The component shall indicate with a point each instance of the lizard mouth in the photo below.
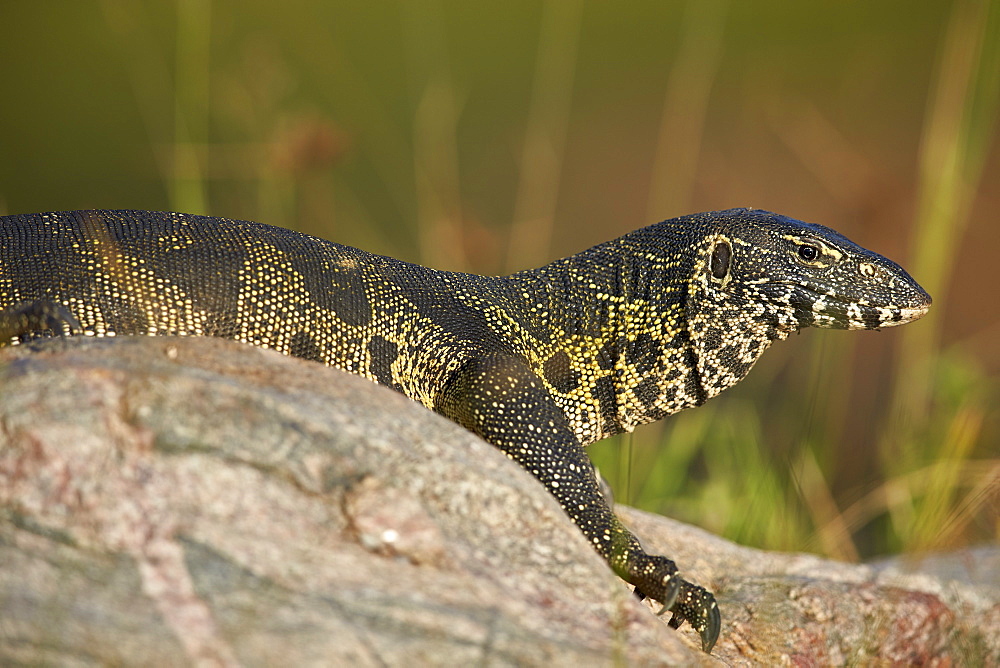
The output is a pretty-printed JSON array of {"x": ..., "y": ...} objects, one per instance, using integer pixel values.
[
  {"x": 869, "y": 316},
  {"x": 911, "y": 313},
  {"x": 815, "y": 306}
]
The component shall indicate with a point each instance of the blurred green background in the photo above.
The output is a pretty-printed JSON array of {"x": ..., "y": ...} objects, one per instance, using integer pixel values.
[{"x": 491, "y": 137}]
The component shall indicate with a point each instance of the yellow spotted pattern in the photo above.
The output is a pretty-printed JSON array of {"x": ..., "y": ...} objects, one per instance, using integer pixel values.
[{"x": 539, "y": 363}]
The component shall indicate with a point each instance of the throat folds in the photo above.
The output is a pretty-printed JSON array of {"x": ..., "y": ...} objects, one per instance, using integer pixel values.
[
  {"x": 728, "y": 336},
  {"x": 623, "y": 354}
]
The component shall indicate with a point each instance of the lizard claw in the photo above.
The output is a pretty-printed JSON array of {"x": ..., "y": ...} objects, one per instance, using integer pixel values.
[
  {"x": 710, "y": 633},
  {"x": 670, "y": 592},
  {"x": 697, "y": 606},
  {"x": 688, "y": 603}
]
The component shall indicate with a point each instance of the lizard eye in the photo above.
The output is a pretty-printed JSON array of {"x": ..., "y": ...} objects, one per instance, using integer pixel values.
[{"x": 808, "y": 252}]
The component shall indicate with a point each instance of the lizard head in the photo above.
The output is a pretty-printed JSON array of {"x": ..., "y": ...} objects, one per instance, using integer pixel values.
[
  {"x": 796, "y": 274},
  {"x": 754, "y": 278}
]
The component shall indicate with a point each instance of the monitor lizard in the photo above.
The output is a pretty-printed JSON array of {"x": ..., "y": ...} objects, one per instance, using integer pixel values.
[{"x": 540, "y": 363}]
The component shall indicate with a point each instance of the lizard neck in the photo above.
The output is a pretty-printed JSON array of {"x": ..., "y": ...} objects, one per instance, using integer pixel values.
[
  {"x": 635, "y": 331},
  {"x": 694, "y": 338}
]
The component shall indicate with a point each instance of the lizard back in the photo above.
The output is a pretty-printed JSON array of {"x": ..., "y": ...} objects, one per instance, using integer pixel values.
[{"x": 137, "y": 272}]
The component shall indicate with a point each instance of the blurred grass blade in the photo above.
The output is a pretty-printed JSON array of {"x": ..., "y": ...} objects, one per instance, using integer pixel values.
[
  {"x": 982, "y": 477},
  {"x": 832, "y": 532},
  {"x": 959, "y": 128},
  {"x": 938, "y": 504},
  {"x": 435, "y": 140},
  {"x": 545, "y": 136},
  {"x": 689, "y": 86},
  {"x": 191, "y": 87}
]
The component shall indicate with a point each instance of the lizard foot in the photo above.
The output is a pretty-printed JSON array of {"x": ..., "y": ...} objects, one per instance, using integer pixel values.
[
  {"x": 671, "y": 589},
  {"x": 654, "y": 577},
  {"x": 35, "y": 317},
  {"x": 696, "y": 606}
]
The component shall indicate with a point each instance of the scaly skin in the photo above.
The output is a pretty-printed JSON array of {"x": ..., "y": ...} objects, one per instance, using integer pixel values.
[{"x": 540, "y": 363}]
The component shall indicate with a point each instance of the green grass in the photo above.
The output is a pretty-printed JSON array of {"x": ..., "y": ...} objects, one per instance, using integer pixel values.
[
  {"x": 935, "y": 485},
  {"x": 489, "y": 138},
  {"x": 939, "y": 470}
]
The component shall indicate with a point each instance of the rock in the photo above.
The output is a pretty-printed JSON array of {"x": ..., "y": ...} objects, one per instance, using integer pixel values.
[
  {"x": 169, "y": 501},
  {"x": 802, "y": 610},
  {"x": 175, "y": 501}
]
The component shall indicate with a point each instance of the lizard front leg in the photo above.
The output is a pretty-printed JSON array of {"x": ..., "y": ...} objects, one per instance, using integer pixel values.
[{"x": 502, "y": 400}]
